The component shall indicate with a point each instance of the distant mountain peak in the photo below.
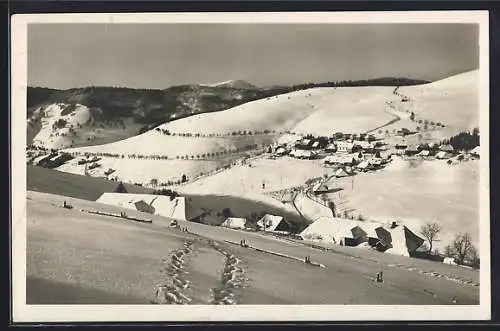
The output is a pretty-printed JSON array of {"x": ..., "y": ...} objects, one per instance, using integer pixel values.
[{"x": 238, "y": 84}]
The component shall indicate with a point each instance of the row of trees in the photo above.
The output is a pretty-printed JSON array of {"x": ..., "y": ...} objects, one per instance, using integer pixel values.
[
  {"x": 200, "y": 156},
  {"x": 211, "y": 135},
  {"x": 384, "y": 81}
]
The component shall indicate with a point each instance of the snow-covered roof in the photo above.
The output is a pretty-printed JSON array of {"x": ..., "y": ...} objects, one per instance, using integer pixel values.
[
  {"x": 345, "y": 144},
  {"x": 424, "y": 153},
  {"x": 447, "y": 148},
  {"x": 305, "y": 141},
  {"x": 475, "y": 150},
  {"x": 301, "y": 152},
  {"x": 234, "y": 223},
  {"x": 335, "y": 229},
  {"x": 363, "y": 144},
  {"x": 442, "y": 155},
  {"x": 363, "y": 165},
  {"x": 345, "y": 159},
  {"x": 269, "y": 222}
]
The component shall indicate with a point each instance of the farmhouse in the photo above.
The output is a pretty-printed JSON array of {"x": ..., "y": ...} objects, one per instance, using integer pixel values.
[
  {"x": 280, "y": 151},
  {"x": 161, "y": 204},
  {"x": 412, "y": 150},
  {"x": 234, "y": 223},
  {"x": 365, "y": 166},
  {"x": 424, "y": 152},
  {"x": 273, "y": 223},
  {"x": 442, "y": 155},
  {"x": 475, "y": 152},
  {"x": 340, "y": 159},
  {"x": 301, "y": 154},
  {"x": 365, "y": 145},
  {"x": 345, "y": 146},
  {"x": 446, "y": 148},
  {"x": 331, "y": 148},
  {"x": 395, "y": 238}
]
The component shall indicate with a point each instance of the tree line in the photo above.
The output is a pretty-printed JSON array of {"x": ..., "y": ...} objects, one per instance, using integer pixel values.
[
  {"x": 200, "y": 156},
  {"x": 465, "y": 140}
]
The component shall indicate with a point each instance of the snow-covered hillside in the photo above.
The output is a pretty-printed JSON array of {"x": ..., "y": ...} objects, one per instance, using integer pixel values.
[
  {"x": 453, "y": 100},
  {"x": 417, "y": 193},
  {"x": 63, "y": 125},
  {"x": 58, "y": 125},
  {"x": 317, "y": 111},
  {"x": 249, "y": 178}
]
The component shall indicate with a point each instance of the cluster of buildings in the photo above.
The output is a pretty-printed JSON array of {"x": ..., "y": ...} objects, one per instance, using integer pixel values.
[
  {"x": 432, "y": 150},
  {"x": 363, "y": 153},
  {"x": 318, "y": 147}
]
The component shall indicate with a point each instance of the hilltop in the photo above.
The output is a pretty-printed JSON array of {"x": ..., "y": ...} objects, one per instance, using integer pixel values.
[{"x": 237, "y": 84}]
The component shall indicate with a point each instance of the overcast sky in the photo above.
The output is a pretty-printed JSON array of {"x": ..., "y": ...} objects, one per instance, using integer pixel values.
[{"x": 162, "y": 55}]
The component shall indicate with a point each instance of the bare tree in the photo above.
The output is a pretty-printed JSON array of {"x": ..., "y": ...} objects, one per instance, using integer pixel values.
[
  {"x": 461, "y": 248},
  {"x": 430, "y": 231}
]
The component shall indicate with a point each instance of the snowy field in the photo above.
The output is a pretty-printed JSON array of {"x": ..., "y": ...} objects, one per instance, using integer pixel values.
[
  {"x": 82, "y": 266},
  {"x": 348, "y": 109},
  {"x": 155, "y": 143},
  {"x": 453, "y": 100},
  {"x": 275, "y": 174},
  {"x": 418, "y": 192},
  {"x": 144, "y": 171}
]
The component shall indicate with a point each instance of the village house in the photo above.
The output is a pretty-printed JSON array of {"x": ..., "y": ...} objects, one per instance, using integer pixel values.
[
  {"x": 280, "y": 151},
  {"x": 345, "y": 147},
  {"x": 365, "y": 145},
  {"x": 424, "y": 153},
  {"x": 446, "y": 148},
  {"x": 442, "y": 155},
  {"x": 302, "y": 154},
  {"x": 411, "y": 150},
  {"x": 336, "y": 159},
  {"x": 331, "y": 148},
  {"x": 475, "y": 152}
]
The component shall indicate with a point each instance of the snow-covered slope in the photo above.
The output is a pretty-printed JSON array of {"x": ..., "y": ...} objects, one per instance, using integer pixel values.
[
  {"x": 58, "y": 125},
  {"x": 317, "y": 110},
  {"x": 454, "y": 100},
  {"x": 62, "y": 125},
  {"x": 416, "y": 193}
]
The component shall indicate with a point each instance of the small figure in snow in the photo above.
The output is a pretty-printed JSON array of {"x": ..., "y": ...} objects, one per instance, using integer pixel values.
[{"x": 380, "y": 277}]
